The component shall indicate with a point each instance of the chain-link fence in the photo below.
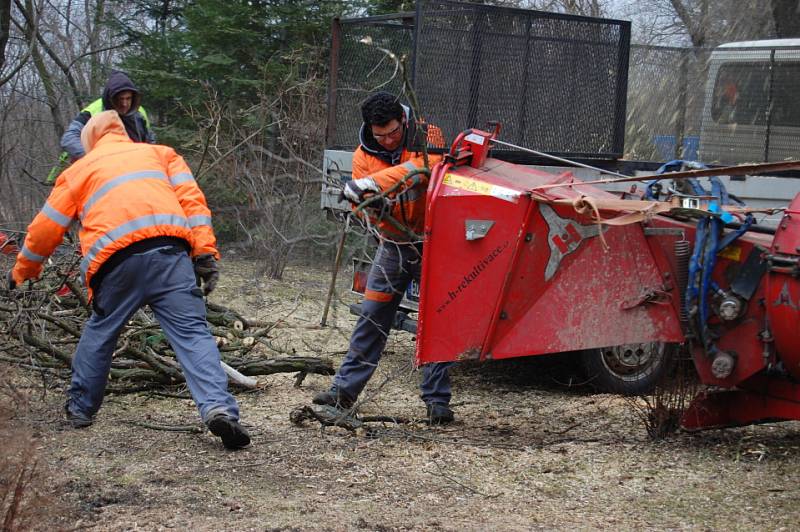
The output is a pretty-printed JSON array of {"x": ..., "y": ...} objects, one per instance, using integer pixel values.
[
  {"x": 561, "y": 84},
  {"x": 733, "y": 104},
  {"x": 665, "y": 103},
  {"x": 751, "y": 111}
]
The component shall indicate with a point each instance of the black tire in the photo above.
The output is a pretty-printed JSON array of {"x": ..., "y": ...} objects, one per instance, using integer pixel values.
[{"x": 631, "y": 369}]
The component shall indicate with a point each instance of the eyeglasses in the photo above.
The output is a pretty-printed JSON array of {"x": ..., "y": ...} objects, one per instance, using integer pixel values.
[{"x": 392, "y": 133}]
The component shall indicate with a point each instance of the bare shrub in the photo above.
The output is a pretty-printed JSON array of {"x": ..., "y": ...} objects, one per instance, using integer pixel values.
[
  {"x": 662, "y": 410},
  {"x": 260, "y": 167}
]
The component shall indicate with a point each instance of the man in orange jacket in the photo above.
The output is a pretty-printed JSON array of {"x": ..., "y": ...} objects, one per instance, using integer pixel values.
[
  {"x": 380, "y": 163},
  {"x": 142, "y": 216}
]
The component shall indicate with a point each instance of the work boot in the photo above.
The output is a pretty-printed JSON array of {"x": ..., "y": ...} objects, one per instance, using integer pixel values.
[
  {"x": 78, "y": 420},
  {"x": 439, "y": 414},
  {"x": 234, "y": 436},
  {"x": 334, "y": 398}
]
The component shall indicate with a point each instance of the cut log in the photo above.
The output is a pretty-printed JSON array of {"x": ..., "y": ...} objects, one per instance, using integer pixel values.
[
  {"x": 320, "y": 366},
  {"x": 238, "y": 378}
]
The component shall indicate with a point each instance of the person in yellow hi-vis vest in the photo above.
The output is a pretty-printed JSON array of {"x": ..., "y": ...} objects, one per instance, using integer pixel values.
[{"x": 121, "y": 95}]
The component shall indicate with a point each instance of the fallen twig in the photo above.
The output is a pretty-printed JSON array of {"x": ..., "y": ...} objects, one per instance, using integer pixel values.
[
  {"x": 330, "y": 416},
  {"x": 194, "y": 429}
]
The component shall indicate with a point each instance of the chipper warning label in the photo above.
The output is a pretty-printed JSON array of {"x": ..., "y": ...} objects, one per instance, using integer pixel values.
[{"x": 481, "y": 187}]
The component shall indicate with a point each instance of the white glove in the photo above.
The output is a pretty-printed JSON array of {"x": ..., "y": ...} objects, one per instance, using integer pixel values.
[{"x": 355, "y": 189}]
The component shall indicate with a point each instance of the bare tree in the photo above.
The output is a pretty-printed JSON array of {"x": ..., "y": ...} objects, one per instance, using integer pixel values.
[
  {"x": 53, "y": 56},
  {"x": 786, "y": 14},
  {"x": 95, "y": 77},
  {"x": 590, "y": 8},
  {"x": 5, "y": 26},
  {"x": 698, "y": 23}
]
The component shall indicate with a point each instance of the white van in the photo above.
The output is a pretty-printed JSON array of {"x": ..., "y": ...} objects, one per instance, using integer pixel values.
[
  {"x": 752, "y": 104},
  {"x": 752, "y": 114}
]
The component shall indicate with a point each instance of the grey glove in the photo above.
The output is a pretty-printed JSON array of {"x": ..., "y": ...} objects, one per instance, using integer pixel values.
[
  {"x": 355, "y": 189},
  {"x": 12, "y": 284},
  {"x": 206, "y": 270}
]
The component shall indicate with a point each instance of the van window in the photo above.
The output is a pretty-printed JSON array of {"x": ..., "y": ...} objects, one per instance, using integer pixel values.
[{"x": 741, "y": 94}]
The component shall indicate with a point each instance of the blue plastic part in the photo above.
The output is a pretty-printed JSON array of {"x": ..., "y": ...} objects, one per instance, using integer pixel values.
[
  {"x": 730, "y": 237},
  {"x": 691, "y": 145},
  {"x": 665, "y": 146},
  {"x": 674, "y": 166}
]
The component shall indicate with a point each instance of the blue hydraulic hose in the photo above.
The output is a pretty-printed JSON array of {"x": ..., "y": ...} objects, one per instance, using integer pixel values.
[
  {"x": 692, "y": 287},
  {"x": 708, "y": 243},
  {"x": 719, "y": 190},
  {"x": 730, "y": 237},
  {"x": 709, "y": 260},
  {"x": 697, "y": 188}
]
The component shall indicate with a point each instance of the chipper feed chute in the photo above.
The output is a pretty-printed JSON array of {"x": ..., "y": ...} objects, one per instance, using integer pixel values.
[{"x": 507, "y": 275}]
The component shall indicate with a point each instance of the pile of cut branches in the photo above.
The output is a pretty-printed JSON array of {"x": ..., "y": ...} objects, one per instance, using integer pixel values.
[{"x": 41, "y": 322}]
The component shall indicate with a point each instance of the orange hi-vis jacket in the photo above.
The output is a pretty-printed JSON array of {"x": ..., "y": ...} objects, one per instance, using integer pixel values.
[
  {"x": 121, "y": 192},
  {"x": 410, "y": 212}
]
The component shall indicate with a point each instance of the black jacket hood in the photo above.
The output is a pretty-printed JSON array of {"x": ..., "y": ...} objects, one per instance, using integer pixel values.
[
  {"x": 371, "y": 146},
  {"x": 117, "y": 82}
]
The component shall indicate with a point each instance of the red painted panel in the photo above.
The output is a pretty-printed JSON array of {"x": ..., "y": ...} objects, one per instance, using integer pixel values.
[{"x": 541, "y": 276}]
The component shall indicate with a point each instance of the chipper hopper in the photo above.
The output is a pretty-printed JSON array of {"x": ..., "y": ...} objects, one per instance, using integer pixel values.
[{"x": 521, "y": 262}]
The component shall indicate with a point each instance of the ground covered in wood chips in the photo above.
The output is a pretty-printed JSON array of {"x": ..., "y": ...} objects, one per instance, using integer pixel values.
[{"x": 524, "y": 453}]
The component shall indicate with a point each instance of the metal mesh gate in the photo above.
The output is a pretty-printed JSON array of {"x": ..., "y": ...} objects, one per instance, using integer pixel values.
[
  {"x": 556, "y": 83},
  {"x": 561, "y": 84},
  {"x": 359, "y": 67}
]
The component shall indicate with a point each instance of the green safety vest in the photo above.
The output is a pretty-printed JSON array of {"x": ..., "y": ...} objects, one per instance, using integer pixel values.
[{"x": 93, "y": 108}]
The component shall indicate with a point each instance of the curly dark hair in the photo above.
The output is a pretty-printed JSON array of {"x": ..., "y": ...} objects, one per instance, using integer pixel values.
[{"x": 381, "y": 108}]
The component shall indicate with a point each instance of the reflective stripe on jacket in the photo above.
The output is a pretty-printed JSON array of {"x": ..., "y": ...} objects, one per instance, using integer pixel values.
[
  {"x": 122, "y": 192},
  {"x": 410, "y": 212}
]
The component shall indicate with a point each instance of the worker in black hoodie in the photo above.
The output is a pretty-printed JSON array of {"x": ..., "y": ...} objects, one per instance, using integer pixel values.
[{"x": 121, "y": 95}]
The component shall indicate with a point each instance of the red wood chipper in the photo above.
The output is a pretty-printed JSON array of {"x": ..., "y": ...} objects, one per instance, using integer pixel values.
[{"x": 521, "y": 262}]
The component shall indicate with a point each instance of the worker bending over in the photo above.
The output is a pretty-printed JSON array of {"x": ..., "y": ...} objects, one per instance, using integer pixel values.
[{"x": 142, "y": 217}]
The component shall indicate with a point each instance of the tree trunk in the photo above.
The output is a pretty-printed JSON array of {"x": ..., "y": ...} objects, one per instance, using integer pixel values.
[
  {"x": 96, "y": 80},
  {"x": 786, "y": 14},
  {"x": 5, "y": 28},
  {"x": 695, "y": 26},
  {"x": 31, "y": 35}
]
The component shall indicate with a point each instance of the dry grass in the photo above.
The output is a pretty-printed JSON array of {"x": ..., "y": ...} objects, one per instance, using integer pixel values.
[
  {"x": 523, "y": 454},
  {"x": 24, "y": 503}
]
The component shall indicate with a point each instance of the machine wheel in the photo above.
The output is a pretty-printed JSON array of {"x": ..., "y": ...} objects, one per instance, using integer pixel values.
[{"x": 630, "y": 369}]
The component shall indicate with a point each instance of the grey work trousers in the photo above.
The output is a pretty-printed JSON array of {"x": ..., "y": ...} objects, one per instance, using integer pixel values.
[
  {"x": 394, "y": 267},
  {"x": 162, "y": 278}
]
